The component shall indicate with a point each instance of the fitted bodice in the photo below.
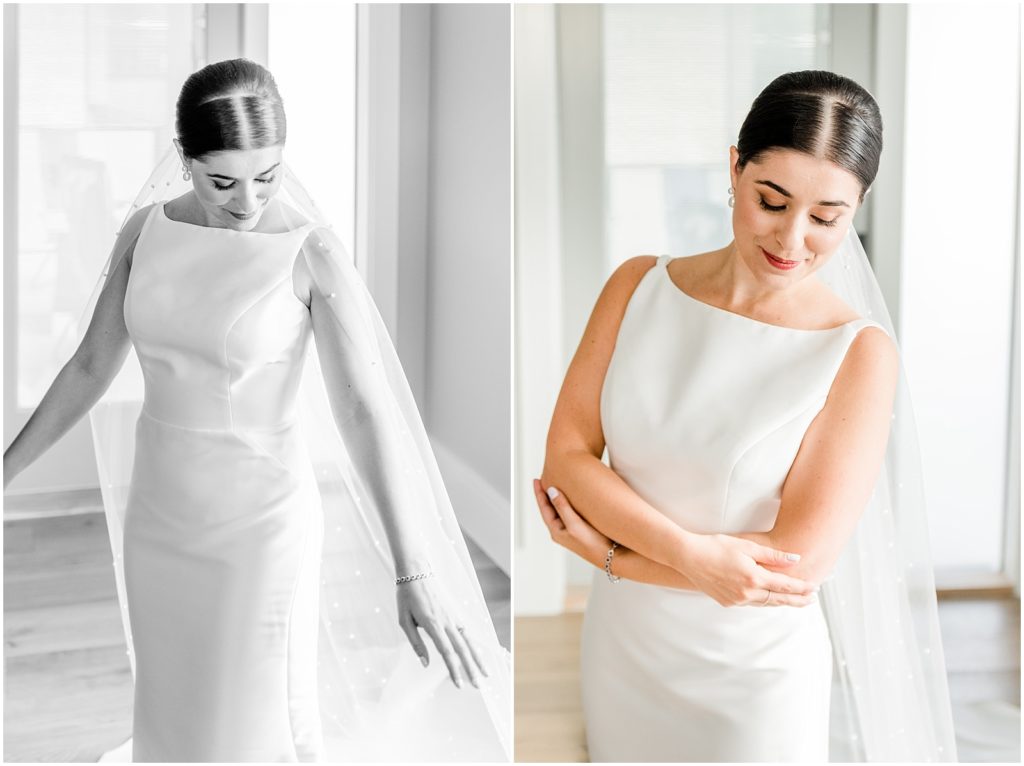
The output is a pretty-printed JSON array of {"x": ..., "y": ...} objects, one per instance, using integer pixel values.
[
  {"x": 219, "y": 333},
  {"x": 704, "y": 410}
]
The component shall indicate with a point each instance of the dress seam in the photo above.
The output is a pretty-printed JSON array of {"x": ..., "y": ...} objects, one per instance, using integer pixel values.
[
  {"x": 128, "y": 304},
  {"x": 607, "y": 380},
  {"x": 817, "y": 405},
  {"x": 227, "y": 339},
  {"x": 740, "y": 455},
  {"x": 276, "y": 428}
]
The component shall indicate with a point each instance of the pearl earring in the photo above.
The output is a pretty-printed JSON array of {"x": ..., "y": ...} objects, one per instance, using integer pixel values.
[
  {"x": 732, "y": 199},
  {"x": 186, "y": 174}
]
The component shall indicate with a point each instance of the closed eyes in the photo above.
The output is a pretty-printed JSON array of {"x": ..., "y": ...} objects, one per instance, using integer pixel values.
[
  {"x": 228, "y": 186},
  {"x": 779, "y": 208}
]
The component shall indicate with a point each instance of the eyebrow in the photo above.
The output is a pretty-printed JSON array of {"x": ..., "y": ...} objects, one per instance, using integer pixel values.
[
  {"x": 229, "y": 178},
  {"x": 784, "y": 193}
]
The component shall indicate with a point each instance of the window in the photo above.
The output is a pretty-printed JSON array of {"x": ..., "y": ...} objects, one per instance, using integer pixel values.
[
  {"x": 95, "y": 110},
  {"x": 678, "y": 81},
  {"x": 312, "y": 53}
]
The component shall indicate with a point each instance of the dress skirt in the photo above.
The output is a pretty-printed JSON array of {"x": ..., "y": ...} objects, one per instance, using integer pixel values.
[
  {"x": 222, "y": 544},
  {"x": 673, "y": 676}
]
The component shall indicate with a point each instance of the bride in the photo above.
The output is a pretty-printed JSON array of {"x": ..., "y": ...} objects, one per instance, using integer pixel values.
[
  {"x": 753, "y": 409},
  {"x": 280, "y": 528}
]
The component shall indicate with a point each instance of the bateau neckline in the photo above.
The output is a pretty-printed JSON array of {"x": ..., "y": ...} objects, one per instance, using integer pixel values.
[
  {"x": 719, "y": 309},
  {"x": 166, "y": 217}
]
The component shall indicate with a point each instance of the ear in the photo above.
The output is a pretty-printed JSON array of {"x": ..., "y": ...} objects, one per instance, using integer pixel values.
[
  {"x": 181, "y": 152},
  {"x": 734, "y": 156}
]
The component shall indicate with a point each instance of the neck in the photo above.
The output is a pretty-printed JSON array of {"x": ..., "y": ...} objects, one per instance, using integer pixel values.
[{"x": 739, "y": 288}]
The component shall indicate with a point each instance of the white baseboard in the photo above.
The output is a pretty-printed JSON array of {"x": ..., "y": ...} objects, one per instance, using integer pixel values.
[
  {"x": 28, "y": 505},
  {"x": 483, "y": 512}
]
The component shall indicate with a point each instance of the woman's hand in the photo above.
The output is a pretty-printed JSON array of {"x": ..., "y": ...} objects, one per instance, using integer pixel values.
[
  {"x": 420, "y": 605},
  {"x": 569, "y": 529},
  {"x": 724, "y": 567},
  {"x": 729, "y": 570}
]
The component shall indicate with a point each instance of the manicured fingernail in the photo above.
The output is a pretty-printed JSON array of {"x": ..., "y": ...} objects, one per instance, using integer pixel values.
[
  {"x": 458, "y": 682},
  {"x": 793, "y": 556},
  {"x": 423, "y": 660},
  {"x": 552, "y": 493}
]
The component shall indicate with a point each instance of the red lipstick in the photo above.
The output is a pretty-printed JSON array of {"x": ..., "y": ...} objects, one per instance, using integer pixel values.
[{"x": 779, "y": 263}]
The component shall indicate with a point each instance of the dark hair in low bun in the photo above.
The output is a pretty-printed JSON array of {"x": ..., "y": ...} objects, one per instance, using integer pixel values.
[
  {"x": 228, "y": 105},
  {"x": 819, "y": 113}
]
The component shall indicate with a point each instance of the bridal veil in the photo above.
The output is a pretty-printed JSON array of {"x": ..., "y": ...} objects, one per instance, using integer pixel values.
[
  {"x": 377, "y": 702},
  {"x": 891, "y": 702}
]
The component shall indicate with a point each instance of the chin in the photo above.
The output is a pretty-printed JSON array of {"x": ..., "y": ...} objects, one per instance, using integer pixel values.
[{"x": 244, "y": 225}]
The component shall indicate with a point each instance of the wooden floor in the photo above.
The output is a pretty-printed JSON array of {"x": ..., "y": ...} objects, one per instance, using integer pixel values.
[
  {"x": 981, "y": 639},
  {"x": 68, "y": 691}
]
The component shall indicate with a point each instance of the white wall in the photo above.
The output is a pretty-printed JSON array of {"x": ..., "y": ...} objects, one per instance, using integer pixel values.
[
  {"x": 468, "y": 342},
  {"x": 960, "y": 217},
  {"x": 539, "y": 366}
]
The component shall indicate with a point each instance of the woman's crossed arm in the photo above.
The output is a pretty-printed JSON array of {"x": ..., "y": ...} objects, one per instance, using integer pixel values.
[{"x": 725, "y": 567}]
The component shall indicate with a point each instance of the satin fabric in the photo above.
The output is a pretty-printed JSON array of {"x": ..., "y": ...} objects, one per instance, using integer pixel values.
[
  {"x": 223, "y": 528},
  {"x": 376, "y": 701},
  {"x": 703, "y": 412}
]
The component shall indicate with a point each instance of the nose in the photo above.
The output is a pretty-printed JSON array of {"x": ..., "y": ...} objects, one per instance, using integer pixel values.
[
  {"x": 789, "y": 234},
  {"x": 247, "y": 199}
]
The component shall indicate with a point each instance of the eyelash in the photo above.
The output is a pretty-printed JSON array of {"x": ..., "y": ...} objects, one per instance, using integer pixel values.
[
  {"x": 776, "y": 209},
  {"x": 225, "y": 188}
]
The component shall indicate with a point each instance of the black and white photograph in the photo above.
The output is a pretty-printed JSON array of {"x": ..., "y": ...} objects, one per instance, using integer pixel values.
[
  {"x": 257, "y": 382},
  {"x": 767, "y": 404}
]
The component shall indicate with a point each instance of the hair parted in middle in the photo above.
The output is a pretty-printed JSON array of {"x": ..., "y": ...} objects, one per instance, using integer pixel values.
[
  {"x": 227, "y": 105},
  {"x": 819, "y": 113}
]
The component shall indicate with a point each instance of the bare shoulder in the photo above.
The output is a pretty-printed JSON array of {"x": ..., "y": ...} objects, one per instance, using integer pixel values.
[
  {"x": 129, "y": 234},
  {"x": 623, "y": 283},
  {"x": 872, "y": 345},
  {"x": 869, "y": 370},
  {"x": 602, "y": 329},
  {"x": 312, "y": 255},
  {"x": 576, "y": 421},
  {"x": 629, "y": 273},
  {"x": 302, "y": 277}
]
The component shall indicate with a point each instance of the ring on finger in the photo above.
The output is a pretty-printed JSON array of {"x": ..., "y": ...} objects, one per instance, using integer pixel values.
[
  {"x": 765, "y": 602},
  {"x": 460, "y": 628}
]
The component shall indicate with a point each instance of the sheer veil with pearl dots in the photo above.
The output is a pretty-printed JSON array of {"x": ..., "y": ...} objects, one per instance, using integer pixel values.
[
  {"x": 890, "y": 698},
  {"x": 377, "y": 702}
]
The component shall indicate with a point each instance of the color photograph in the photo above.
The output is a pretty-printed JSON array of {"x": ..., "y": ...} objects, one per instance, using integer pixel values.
[{"x": 767, "y": 407}]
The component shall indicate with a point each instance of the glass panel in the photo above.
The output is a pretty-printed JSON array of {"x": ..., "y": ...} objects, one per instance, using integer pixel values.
[
  {"x": 321, "y": 123},
  {"x": 97, "y": 86}
]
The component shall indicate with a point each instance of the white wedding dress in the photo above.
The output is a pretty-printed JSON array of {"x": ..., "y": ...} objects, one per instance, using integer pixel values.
[
  {"x": 223, "y": 529},
  {"x": 703, "y": 412},
  {"x": 252, "y": 562}
]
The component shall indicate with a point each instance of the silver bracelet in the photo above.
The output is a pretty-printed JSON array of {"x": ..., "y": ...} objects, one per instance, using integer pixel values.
[
  {"x": 608, "y": 563},
  {"x": 410, "y": 578}
]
